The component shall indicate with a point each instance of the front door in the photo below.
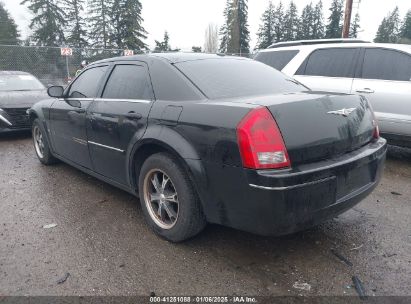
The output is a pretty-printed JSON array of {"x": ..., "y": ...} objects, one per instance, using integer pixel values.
[
  {"x": 386, "y": 82},
  {"x": 119, "y": 119},
  {"x": 68, "y": 117}
]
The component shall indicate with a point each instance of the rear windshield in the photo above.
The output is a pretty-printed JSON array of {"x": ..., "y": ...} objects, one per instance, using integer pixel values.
[
  {"x": 19, "y": 83},
  {"x": 230, "y": 77},
  {"x": 278, "y": 60}
]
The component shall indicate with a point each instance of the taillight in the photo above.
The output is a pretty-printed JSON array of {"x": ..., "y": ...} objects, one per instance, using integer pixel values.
[{"x": 260, "y": 141}]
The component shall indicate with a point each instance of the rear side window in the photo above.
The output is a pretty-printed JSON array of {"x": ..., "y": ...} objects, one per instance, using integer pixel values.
[
  {"x": 88, "y": 83},
  {"x": 336, "y": 62},
  {"x": 387, "y": 65},
  {"x": 278, "y": 60},
  {"x": 128, "y": 82},
  {"x": 229, "y": 77}
]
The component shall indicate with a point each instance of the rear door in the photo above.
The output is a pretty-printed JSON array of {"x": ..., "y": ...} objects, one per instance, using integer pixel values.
[
  {"x": 119, "y": 118},
  {"x": 68, "y": 116},
  {"x": 330, "y": 69},
  {"x": 385, "y": 80}
]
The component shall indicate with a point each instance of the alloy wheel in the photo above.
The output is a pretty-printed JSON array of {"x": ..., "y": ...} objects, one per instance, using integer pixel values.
[
  {"x": 38, "y": 141},
  {"x": 161, "y": 199}
]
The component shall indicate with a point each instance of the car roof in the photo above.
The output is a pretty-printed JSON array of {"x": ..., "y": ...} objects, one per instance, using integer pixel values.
[
  {"x": 172, "y": 57},
  {"x": 402, "y": 47},
  {"x": 13, "y": 73}
]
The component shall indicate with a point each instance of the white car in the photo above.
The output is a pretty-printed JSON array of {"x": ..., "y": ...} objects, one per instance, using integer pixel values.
[{"x": 381, "y": 72}]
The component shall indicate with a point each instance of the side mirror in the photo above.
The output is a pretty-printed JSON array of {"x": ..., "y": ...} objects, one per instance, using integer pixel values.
[{"x": 55, "y": 91}]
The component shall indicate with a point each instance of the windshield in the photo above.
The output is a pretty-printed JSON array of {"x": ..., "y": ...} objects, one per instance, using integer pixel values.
[
  {"x": 229, "y": 78},
  {"x": 20, "y": 83}
]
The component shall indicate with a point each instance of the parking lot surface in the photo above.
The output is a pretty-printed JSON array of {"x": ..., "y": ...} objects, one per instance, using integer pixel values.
[{"x": 102, "y": 246}]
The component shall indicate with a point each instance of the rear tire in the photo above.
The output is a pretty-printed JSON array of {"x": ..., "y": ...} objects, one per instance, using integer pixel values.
[
  {"x": 41, "y": 144},
  {"x": 169, "y": 201}
]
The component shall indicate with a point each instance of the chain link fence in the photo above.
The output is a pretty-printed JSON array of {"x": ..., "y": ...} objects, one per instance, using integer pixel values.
[{"x": 49, "y": 65}]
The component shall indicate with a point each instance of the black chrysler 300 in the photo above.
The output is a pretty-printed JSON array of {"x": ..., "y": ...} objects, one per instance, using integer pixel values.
[{"x": 206, "y": 138}]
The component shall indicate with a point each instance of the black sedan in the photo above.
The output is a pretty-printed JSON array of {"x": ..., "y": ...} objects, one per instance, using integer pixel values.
[
  {"x": 212, "y": 139},
  {"x": 18, "y": 92}
]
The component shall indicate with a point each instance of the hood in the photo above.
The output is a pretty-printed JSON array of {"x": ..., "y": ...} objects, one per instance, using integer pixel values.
[{"x": 21, "y": 99}]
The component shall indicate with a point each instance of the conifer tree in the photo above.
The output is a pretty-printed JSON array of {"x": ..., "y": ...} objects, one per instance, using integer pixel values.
[
  {"x": 291, "y": 23},
  {"x": 163, "y": 46},
  {"x": 406, "y": 28},
  {"x": 77, "y": 33},
  {"x": 9, "y": 33},
  {"x": 336, "y": 19},
  {"x": 389, "y": 29},
  {"x": 307, "y": 22},
  {"x": 318, "y": 22},
  {"x": 279, "y": 22},
  {"x": 225, "y": 28},
  {"x": 235, "y": 36},
  {"x": 127, "y": 23},
  {"x": 101, "y": 29},
  {"x": 266, "y": 32},
  {"x": 48, "y": 22},
  {"x": 355, "y": 26}
]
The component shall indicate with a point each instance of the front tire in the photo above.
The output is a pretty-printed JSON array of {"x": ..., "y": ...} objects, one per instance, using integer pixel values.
[
  {"x": 41, "y": 144},
  {"x": 169, "y": 201}
]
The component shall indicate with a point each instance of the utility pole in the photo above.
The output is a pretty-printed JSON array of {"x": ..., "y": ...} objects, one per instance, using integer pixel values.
[{"x": 347, "y": 18}]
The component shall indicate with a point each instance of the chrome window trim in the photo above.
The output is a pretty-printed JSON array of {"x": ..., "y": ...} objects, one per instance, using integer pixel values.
[
  {"x": 104, "y": 146},
  {"x": 126, "y": 100}
]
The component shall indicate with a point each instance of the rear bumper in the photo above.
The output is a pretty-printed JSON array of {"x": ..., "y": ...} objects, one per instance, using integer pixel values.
[{"x": 273, "y": 202}]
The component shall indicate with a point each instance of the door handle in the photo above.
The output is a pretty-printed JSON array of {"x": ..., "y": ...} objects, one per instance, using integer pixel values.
[
  {"x": 81, "y": 110},
  {"x": 133, "y": 115},
  {"x": 365, "y": 90}
]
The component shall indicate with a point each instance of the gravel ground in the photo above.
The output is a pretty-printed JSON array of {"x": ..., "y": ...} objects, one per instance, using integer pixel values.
[{"x": 102, "y": 241}]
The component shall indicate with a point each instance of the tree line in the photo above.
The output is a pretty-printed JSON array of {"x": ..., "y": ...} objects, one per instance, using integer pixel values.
[
  {"x": 77, "y": 23},
  {"x": 118, "y": 24}
]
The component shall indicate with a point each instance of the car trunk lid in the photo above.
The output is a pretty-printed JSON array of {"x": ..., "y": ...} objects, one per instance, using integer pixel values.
[{"x": 318, "y": 125}]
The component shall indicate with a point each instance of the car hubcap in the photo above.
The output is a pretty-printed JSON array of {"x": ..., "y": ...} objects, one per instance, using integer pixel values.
[
  {"x": 161, "y": 199},
  {"x": 38, "y": 141}
]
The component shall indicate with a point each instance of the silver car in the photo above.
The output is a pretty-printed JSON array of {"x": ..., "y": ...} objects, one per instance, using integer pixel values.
[{"x": 381, "y": 72}]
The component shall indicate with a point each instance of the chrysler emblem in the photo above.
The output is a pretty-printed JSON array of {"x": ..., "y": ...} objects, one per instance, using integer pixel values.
[{"x": 343, "y": 112}]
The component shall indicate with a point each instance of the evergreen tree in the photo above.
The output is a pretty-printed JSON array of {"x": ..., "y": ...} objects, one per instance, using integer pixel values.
[
  {"x": 77, "y": 33},
  {"x": 406, "y": 29},
  {"x": 336, "y": 19},
  {"x": 225, "y": 28},
  {"x": 9, "y": 33},
  {"x": 164, "y": 46},
  {"x": 291, "y": 23},
  {"x": 48, "y": 22},
  {"x": 235, "y": 36},
  {"x": 279, "y": 22},
  {"x": 355, "y": 26},
  {"x": 127, "y": 22},
  {"x": 101, "y": 29},
  {"x": 389, "y": 29},
  {"x": 242, "y": 15},
  {"x": 266, "y": 32},
  {"x": 318, "y": 22},
  {"x": 307, "y": 22}
]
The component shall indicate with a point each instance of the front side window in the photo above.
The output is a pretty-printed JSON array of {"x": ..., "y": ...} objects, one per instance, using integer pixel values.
[
  {"x": 387, "y": 65},
  {"x": 88, "y": 83},
  {"x": 335, "y": 62},
  {"x": 278, "y": 59},
  {"x": 128, "y": 82}
]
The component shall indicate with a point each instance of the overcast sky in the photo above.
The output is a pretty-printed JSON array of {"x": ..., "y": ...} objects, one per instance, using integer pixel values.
[{"x": 186, "y": 20}]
